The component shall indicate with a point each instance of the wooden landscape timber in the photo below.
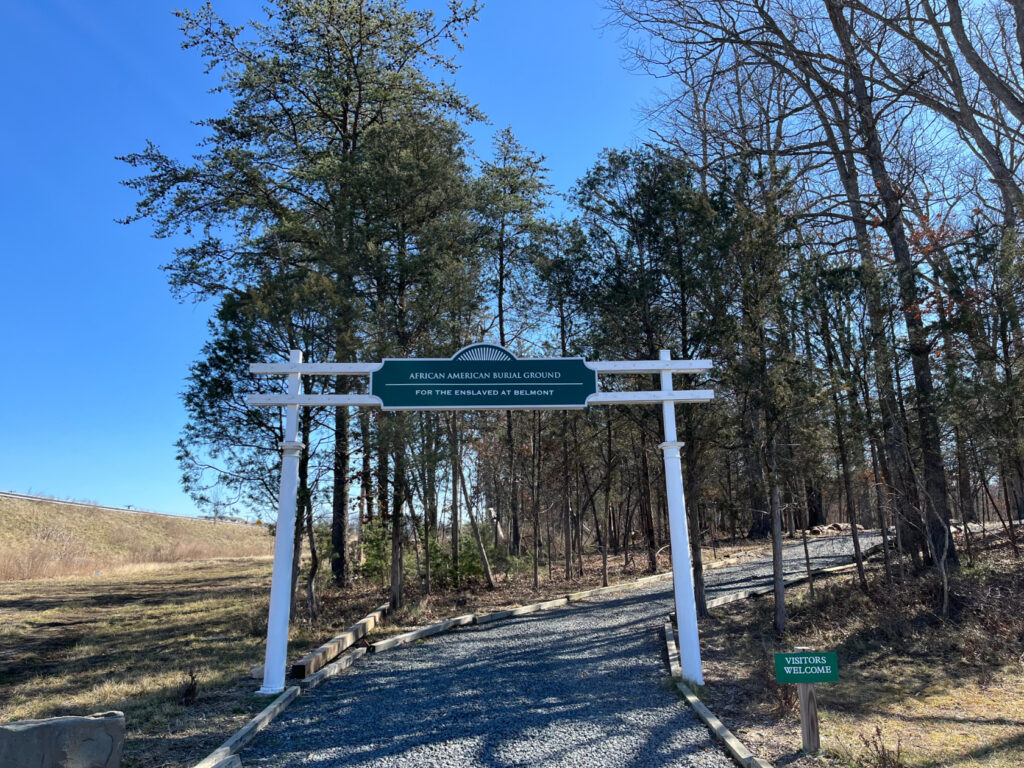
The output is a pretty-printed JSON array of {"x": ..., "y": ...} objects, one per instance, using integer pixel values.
[
  {"x": 248, "y": 732},
  {"x": 733, "y": 746},
  {"x": 418, "y": 634},
  {"x": 334, "y": 668},
  {"x": 322, "y": 656}
]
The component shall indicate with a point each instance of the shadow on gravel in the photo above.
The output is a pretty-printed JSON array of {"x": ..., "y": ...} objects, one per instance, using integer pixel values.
[{"x": 585, "y": 685}]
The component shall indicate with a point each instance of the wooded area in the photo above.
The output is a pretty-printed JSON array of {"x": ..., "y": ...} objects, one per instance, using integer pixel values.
[{"x": 828, "y": 209}]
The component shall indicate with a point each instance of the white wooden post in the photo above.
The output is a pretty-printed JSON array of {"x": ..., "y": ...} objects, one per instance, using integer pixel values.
[
  {"x": 682, "y": 569},
  {"x": 276, "y": 658}
]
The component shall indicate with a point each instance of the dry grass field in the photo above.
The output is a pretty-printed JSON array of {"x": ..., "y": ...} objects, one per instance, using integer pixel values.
[
  {"x": 130, "y": 639},
  {"x": 48, "y": 539}
]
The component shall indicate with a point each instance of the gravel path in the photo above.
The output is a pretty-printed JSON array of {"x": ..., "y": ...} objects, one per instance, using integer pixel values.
[
  {"x": 578, "y": 686},
  {"x": 825, "y": 552}
]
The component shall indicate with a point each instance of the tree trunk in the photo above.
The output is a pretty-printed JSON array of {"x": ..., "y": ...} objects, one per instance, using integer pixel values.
[
  {"x": 883, "y": 523},
  {"x": 314, "y": 561},
  {"x": 778, "y": 573},
  {"x": 382, "y": 469},
  {"x": 844, "y": 462},
  {"x": 646, "y": 504},
  {"x": 566, "y": 521},
  {"x": 807, "y": 552},
  {"x": 366, "y": 502},
  {"x": 693, "y": 491},
  {"x": 607, "y": 505},
  {"x": 935, "y": 508},
  {"x": 760, "y": 525},
  {"x": 815, "y": 503},
  {"x": 476, "y": 532},
  {"x": 535, "y": 466},
  {"x": 456, "y": 461},
  {"x": 431, "y": 503},
  {"x": 398, "y": 501},
  {"x": 300, "y": 522},
  {"x": 513, "y": 484},
  {"x": 339, "y": 496}
]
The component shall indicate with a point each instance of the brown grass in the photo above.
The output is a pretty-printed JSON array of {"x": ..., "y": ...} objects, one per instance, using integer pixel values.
[
  {"x": 47, "y": 539},
  {"x": 126, "y": 641},
  {"x": 133, "y": 639},
  {"x": 944, "y": 692}
]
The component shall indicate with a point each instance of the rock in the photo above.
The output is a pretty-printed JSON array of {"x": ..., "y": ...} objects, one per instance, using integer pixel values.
[
  {"x": 256, "y": 672},
  {"x": 95, "y": 741}
]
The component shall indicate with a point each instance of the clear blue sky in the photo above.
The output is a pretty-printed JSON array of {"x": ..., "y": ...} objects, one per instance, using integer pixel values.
[{"x": 94, "y": 348}]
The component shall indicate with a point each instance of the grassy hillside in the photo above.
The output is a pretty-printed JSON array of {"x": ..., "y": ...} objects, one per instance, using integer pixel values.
[{"x": 44, "y": 538}]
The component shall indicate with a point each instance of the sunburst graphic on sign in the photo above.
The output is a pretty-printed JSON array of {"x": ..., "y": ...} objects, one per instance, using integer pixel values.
[{"x": 483, "y": 352}]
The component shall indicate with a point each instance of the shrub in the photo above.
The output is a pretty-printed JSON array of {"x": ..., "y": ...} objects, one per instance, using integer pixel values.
[{"x": 879, "y": 755}]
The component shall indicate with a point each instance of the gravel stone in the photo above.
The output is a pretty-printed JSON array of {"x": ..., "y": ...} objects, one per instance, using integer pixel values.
[{"x": 584, "y": 685}]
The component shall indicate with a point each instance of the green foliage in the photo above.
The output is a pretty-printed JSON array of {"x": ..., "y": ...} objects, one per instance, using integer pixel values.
[
  {"x": 512, "y": 233},
  {"x": 470, "y": 564},
  {"x": 441, "y": 573},
  {"x": 328, "y": 209},
  {"x": 376, "y": 550}
]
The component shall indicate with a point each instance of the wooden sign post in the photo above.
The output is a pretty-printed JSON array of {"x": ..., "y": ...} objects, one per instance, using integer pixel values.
[
  {"x": 809, "y": 733},
  {"x": 805, "y": 668}
]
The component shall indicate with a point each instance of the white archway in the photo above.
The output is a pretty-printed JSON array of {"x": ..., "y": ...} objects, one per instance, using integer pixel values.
[{"x": 486, "y": 377}]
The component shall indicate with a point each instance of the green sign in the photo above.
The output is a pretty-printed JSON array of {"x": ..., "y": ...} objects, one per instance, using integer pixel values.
[
  {"x": 807, "y": 667},
  {"x": 483, "y": 376}
]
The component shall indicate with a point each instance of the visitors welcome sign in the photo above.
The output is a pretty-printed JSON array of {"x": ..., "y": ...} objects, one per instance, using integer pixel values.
[
  {"x": 483, "y": 376},
  {"x": 807, "y": 667}
]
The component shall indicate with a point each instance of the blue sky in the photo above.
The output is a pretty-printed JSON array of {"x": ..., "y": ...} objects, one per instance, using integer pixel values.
[{"x": 95, "y": 349}]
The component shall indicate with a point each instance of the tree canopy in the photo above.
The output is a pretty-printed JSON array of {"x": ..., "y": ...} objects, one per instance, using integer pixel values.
[{"x": 859, "y": 299}]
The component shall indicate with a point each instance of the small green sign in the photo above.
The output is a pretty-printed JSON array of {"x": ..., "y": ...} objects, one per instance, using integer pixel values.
[
  {"x": 483, "y": 376},
  {"x": 807, "y": 667}
]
